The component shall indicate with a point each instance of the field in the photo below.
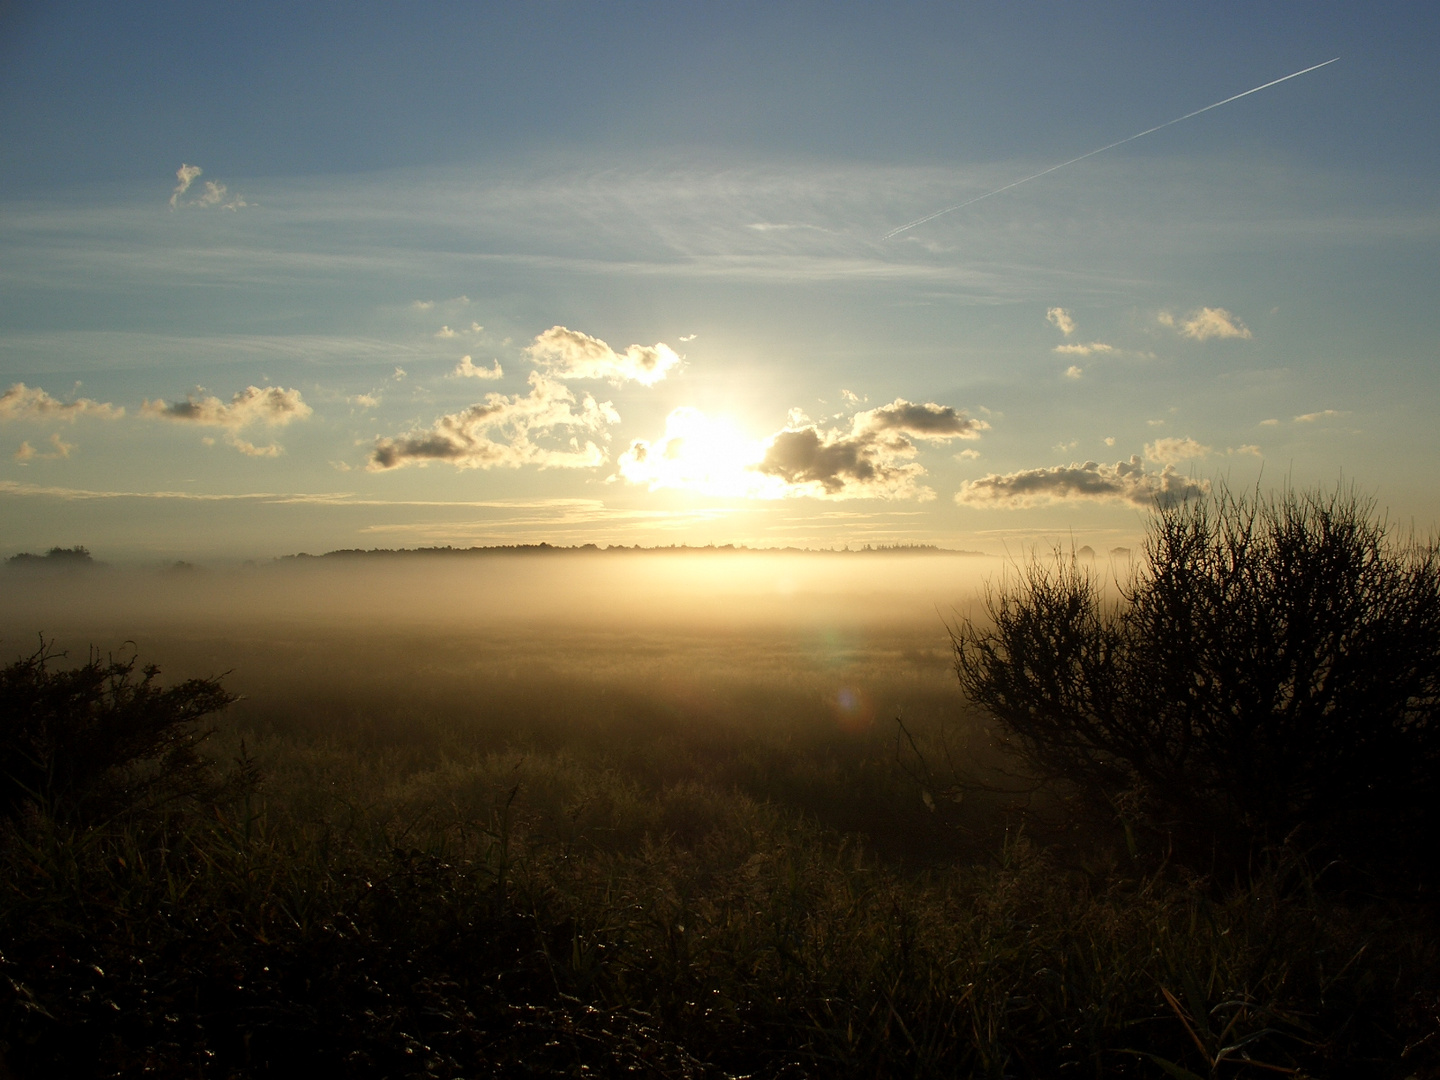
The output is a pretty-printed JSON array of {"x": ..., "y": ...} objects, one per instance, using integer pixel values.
[{"x": 658, "y": 815}]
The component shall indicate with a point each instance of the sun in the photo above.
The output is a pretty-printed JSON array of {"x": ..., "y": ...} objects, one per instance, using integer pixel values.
[{"x": 704, "y": 454}]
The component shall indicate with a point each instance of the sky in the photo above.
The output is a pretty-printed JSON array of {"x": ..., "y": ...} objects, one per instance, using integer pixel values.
[{"x": 280, "y": 278}]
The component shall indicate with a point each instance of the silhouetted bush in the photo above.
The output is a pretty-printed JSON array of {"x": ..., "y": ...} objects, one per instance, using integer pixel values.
[
  {"x": 97, "y": 740},
  {"x": 1273, "y": 665}
]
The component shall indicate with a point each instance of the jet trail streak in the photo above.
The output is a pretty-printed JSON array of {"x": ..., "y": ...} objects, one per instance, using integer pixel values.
[{"x": 1148, "y": 131}]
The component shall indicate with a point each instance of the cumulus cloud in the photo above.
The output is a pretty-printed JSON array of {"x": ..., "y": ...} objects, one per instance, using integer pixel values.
[
  {"x": 270, "y": 405},
  {"x": 444, "y": 332},
  {"x": 1323, "y": 414},
  {"x": 1173, "y": 451},
  {"x": 500, "y": 432},
  {"x": 874, "y": 459},
  {"x": 1084, "y": 350},
  {"x": 1124, "y": 482},
  {"x": 214, "y": 195},
  {"x": 569, "y": 354},
  {"x": 1249, "y": 449},
  {"x": 1059, "y": 318},
  {"x": 467, "y": 369},
  {"x": 58, "y": 449},
  {"x": 1074, "y": 371},
  {"x": 1205, "y": 324},
  {"x": 23, "y": 402}
]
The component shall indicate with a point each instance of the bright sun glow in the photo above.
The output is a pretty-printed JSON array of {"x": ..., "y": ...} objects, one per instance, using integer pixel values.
[{"x": 698, "y": 453}]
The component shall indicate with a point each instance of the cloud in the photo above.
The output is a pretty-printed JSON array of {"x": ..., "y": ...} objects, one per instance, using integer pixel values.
[
  {"x": 1074, "y": 372},
  {"x": 215, "y": 193},
  {"x": 698, "y": 453},
  {"x": 271, "y": 405},
  {"x": 23, "y": 402},
  {"x": 1125, "y": 482},
  {"x": 688, "y": 337},
  {"x": 422, "y": 305},
  {"x": 444, "y": 332},
  {"x": 1323, "y": 414},
  {"x": 60, "y": 449},
  {"x": 1272, "y": 422},
  {"x": 569, "y": 354},
  {"x": 1249, "y": 448},
  {"x": 498, "y": 432},
  {"x": 871, "y": 460},
  {"x": 1205, "y": 324},
  {"x": 365, "y": 401},
  {"x": 1173, "y": 451},
  {"x": 1084, "y": 350},
  {"x": 186, "y": 174},
  {"x": 467, "y": 369},
  {"x": 1059, "y": 318}
]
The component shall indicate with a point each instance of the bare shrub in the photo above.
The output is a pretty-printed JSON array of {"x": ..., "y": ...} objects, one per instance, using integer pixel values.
[{"x": 1274, "y": 665}]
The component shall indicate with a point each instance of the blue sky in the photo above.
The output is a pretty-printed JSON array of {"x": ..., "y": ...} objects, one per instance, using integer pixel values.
[{"x": 655, "y": 230}]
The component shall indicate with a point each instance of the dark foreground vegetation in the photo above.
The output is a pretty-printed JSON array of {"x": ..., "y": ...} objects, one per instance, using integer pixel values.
[{"x": 496, "y": 885}]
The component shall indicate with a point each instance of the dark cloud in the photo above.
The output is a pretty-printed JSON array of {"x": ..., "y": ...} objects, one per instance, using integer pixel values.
[{"x": 1125, "y": 481}]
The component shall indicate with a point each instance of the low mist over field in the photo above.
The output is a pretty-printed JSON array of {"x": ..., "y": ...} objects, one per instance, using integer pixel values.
[{"x": 851, "y": 632}]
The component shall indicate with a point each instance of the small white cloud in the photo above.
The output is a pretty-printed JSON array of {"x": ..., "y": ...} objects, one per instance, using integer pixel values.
[
  {"x": 23, "y": 402},
  {"x": 1249, "y": 449},
  {"x": 1155, "y": 423},
  {"x": 365, "y": 401},
  {"x": 1206, "y": 323},
  {"x": 1109, "y": 440},
  {"x": 467, "y": 369},
  {"x": 1060, "y": 319},
  {"x": 1323, "y": 414},
  {"x": 569, "y": 354},
  {"x": 1173, "y": 451},
  {"x": 215, "y": 194},
  {"x": 1084, "y": 350},
  {"x": 422, "y": 305},
  {"x": 476, "y": 328},
  {"x": 186, "y": 174},
  {"x": 399, "y": 373},
  {"x": 1272, "y": 422},
  {"x": 850, "y": 397},
  {"x": 1074, "y": 371},
  {"x": 967, "y": 455},
  {"x": 251, "y": 450},
  {"x": 445, "y": 332},
  {"x": 59, "y": 449}
]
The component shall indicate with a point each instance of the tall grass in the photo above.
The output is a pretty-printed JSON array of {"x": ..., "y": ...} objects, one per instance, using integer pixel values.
[{"x": 418, "y": 890}]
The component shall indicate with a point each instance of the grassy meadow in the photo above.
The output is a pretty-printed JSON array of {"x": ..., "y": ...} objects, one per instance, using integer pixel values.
[{"x": 644, "y": 815}]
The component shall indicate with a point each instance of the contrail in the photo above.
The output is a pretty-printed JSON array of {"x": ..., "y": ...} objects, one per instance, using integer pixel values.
[{"x": 1148, "y": 131}]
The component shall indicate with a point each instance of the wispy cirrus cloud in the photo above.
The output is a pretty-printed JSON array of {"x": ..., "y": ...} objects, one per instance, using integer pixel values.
[
  {"x": 1124, "y": 482},
  {"x": 1323, "y": 414},
  {"x": 23, "y": 402},
  {"x": 1206, "y": 323}
]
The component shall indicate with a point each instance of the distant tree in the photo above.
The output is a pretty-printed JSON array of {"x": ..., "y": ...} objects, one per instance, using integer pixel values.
[
  {"x": 98, "y": 739},
  {"x": 1273, "y": 665},
  {"x": 56, "y": 556}
]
